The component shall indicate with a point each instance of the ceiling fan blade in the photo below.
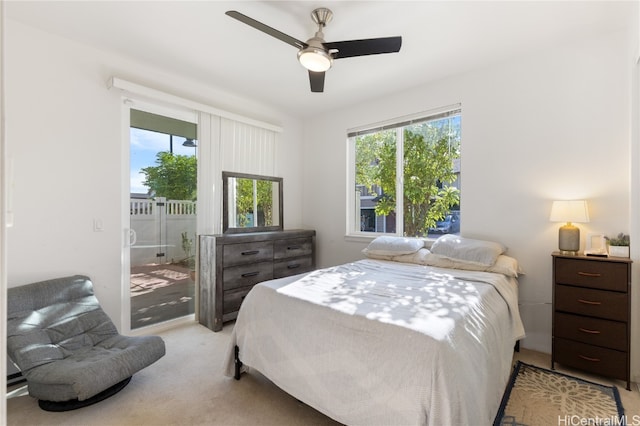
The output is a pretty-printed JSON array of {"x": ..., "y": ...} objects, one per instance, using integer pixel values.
[
  {"x": 266, "y": 29},
  {"x": 316, "y": 79},
  {"x": 372, "y": 46}
]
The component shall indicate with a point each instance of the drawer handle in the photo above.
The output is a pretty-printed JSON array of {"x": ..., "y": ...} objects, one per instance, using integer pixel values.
[
  {"x": 589, "y": 302},
  {"x": 294, "y": 266},
  {"x": 250, "y": 252},
  {"x": 589, "y": 274},
  {"x": 585, "y": 330},
  {"x": 589, "y": 358},
  {"x": 249, "y": 274},
  {"x": 293, "y": 248}
]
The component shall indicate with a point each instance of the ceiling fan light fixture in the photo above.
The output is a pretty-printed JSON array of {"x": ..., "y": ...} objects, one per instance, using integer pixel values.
[{"x": 315, "y": 59}]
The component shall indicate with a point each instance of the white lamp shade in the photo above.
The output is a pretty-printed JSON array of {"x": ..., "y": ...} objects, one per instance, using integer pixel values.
[
  {"x": 569, "y": 211},
  {"x": 314, "y": 59}
]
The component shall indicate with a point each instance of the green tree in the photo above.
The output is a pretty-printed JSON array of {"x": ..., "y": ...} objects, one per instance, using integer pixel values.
[
  {"x": 429, "y": 151},
  {"x": 264, "y": 193},
  {"x": 174, "y": 177},
  {"x": 245, "y": 201}
]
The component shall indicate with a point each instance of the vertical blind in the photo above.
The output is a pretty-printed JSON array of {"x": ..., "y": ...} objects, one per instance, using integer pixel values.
[{"x": 247, "y": 149}]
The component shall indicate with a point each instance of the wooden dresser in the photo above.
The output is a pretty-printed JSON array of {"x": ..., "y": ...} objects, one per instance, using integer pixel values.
[
  {"x": 591, "y": 314},
  {"x": 231, "y": 264}
]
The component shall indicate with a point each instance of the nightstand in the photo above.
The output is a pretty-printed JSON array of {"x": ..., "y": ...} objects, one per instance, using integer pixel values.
[{"x": 591, "y": 314}]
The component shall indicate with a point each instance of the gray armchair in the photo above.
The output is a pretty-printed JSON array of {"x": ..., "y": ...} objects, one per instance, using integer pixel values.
[{"x": 66, "y": 346}]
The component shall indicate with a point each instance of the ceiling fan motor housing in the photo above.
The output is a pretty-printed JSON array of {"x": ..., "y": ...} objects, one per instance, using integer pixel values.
[{"x": 321, "y": 16}]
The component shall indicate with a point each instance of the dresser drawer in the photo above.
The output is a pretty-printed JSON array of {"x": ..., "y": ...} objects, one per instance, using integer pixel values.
[
  {"x": 595, "y": 359},
  {"x": 233, "y": 299},
  {"x": 592, "y": 331},
  {"x": 592, "y": 274},
  {"x": 285, "y": 268},
  {"x": 597, "y": 303},
  {"x": 238, "y": 254},
  {"x": 246, "y": 275},
  {"x": 292, "y": 247}
]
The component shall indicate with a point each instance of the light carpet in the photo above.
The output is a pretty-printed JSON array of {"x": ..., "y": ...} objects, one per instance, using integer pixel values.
[
  {"x": 187, "y": 387},
  {"x": 537, "y": 396}
]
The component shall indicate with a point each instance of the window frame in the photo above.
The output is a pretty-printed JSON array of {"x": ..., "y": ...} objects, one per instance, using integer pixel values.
[{"x": 353, "y": 211}]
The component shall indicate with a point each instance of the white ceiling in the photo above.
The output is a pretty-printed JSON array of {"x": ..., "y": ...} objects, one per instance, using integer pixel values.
[{"x": 440, "y": 38}]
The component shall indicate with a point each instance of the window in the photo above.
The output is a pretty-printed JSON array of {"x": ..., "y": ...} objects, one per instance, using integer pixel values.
[{"x": 405, "y": 176}]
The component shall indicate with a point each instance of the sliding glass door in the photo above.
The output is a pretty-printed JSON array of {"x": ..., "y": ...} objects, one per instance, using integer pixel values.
[{"x": 162, "y": 211}]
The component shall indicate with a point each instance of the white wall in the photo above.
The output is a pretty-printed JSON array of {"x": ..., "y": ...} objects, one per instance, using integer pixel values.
[
  {"x": 553, "y": 125},
  {"x": 64, "y": 135},
  {"x": 3, "y": 221}
]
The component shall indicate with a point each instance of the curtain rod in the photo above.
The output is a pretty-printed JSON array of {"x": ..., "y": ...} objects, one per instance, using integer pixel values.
[{"x": 137, "y": 89}]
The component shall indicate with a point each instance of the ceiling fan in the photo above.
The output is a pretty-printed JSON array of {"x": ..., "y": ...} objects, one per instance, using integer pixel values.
[{"x": 316, "y": 55}]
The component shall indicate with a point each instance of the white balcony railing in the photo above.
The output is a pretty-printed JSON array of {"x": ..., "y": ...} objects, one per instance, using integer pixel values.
[{"x": 171, "y": 207}]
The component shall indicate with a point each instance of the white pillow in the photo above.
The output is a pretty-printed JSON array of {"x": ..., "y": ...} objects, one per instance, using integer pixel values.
[
  {"x": 446, "y": 262},
  {"x": 417, "y": 257},
  {"x": 478, "y": 251},
  {"x": 504, "y": 265},
  {"x": 387, "y": 245}
]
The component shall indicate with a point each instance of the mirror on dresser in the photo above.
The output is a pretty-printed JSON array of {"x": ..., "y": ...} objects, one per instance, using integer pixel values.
[{"x": 251, "y": 203}]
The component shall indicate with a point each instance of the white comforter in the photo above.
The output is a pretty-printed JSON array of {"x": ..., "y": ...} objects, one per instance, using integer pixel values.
[{"x": 377, "y": 342}]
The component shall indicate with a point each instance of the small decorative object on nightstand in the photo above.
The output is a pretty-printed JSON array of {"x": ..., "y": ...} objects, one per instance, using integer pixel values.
[
  {"x": 569, "y": 235},
  {"x": 618, "y": 245},
  {"x": 591, "y": 314}
]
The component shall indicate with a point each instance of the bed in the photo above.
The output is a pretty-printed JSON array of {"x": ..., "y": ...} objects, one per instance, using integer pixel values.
[{"x": 390, "y": 339}]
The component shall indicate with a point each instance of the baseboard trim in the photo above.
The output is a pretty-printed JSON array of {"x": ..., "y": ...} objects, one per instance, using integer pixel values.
[{"x": 15, "y": 378}]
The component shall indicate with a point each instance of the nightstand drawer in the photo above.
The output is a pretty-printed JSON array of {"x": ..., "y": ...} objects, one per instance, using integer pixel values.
[
  {"x": 597, "y": 303},
  {"x": 592, "y": 274},
  {"x": 595, "y": 359},
  {"x": 592, "y": 331}
]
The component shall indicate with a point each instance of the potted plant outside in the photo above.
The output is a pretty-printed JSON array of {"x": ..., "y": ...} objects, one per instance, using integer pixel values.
[
  {"x": 189, "y": 261},
  {"x": 618, "y": 245}
]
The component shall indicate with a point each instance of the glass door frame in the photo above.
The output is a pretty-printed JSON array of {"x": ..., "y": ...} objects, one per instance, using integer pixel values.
[{"x": 173, "y": 112}]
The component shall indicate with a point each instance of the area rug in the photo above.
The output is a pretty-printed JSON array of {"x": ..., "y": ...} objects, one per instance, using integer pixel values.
[{"x": 537, "y": 396}]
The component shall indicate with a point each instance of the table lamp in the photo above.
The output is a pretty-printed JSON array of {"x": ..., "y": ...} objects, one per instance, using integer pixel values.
[{"x": 569, "y": 235}]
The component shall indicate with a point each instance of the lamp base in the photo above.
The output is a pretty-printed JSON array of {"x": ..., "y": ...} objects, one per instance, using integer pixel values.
[
  {"x": 569, "y": 252},
  {"x": 569, "y": 239}
]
